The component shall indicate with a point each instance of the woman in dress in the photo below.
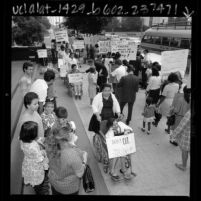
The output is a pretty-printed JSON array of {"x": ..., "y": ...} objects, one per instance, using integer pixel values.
[
  {"x": 104, "y": 106},
  {"x": 66, "y": 162}
]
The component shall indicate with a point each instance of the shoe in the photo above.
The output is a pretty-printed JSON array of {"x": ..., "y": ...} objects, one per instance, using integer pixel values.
[
  {"x": 174, "y": 143},
  {"x": 126, "y": 176},
  {"x": 142, "y": 129},
  {"x": 167, "y": 131},
  {"x": 80, "y": 97},
  {"x": 115, "y": 177},
  {"x": 148, "y": 133},
  {"x": 155, "y": 124},
  {"x": 76, "y": 97}
]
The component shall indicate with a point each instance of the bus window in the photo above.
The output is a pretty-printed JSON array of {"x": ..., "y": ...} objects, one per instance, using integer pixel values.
[
  {"x": 146, "y": 39},
  {"x": 185, "y": 43},
  {"x": 174, "y": 42},
  {"x": 156, "y": 40},
  {"x": 165, "y": 41}
]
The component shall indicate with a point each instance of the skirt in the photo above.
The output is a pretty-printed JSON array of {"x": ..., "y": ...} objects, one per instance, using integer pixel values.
[{"x": 148, "y": 120}]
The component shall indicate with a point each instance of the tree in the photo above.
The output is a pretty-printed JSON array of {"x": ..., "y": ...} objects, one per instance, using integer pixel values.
[
  {"x": 90, "y": 25},
  {"x": 113, "y": 25},
  {"x": 131, "y": 23},
  {"x": 28, "y": 30}
]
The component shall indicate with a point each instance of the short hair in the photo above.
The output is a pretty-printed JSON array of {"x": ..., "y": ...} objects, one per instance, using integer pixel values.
[
  {"x": 96, "y": 45},
  {"x": 147, "y": 51},
  {"x": 29, "y": 97},
  {"x": 113, "y": 54},
  {"x": 49, "y": 75},
  {"x": 62, "y": 47},
  {"x": 48, "y": 102},
  {"x": 92, "y": 70},
  {"x": 110, "y": 122},
  {"x": 71, "y": 54},
  {"x": 73, "y": 65},
  {"x": 26, "y": 65},
  {"x": 130, "y": 68},
  {"x": 61, "y": 112},
  {"x": 155, "y": 72},
  {"x": 149, "y": 100},
  {"x": 29, "y": 131},
  {"x": 117, "y": 55},
  {"x": 107, "y": 85},
  {"x": 157, "y": 66},
  {"x": 104, "y": 56},
  {"x": 118, "y": 62},
  {"x": 173, "y": 77},
  {"x": 125, "y": 62}
]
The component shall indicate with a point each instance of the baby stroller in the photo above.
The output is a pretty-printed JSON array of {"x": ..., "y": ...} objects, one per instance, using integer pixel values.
[{"x": 101, "y": 152}]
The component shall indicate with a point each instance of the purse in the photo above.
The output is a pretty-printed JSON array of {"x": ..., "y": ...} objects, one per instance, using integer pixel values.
[{"x": 88, "y": 181}]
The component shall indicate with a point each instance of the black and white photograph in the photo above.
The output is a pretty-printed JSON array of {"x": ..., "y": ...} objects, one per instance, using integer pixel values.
[{"x": 100, "y": 105}]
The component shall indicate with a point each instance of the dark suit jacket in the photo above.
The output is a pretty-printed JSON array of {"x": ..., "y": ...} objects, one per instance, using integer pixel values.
[{"x": 129, "y": 86}]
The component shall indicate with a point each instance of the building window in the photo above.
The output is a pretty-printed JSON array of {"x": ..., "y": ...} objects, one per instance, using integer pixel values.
[
  {"x": 185, "y": 44},
  {"x": 165, "y": 41},
  {"x": 174, "y": 42}
]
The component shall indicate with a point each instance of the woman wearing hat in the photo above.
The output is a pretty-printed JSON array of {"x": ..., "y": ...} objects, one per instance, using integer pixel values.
[{"x": 66, "y": 162}]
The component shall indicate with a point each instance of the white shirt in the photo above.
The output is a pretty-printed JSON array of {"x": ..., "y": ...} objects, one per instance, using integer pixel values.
[
  {"x": 40, "y": 87},
  {"x": 146, "y": 60},
  {"x": 119, "y": 72},
  {"x": 71, "y": 62},
  {"x": 154, "y": 83}
]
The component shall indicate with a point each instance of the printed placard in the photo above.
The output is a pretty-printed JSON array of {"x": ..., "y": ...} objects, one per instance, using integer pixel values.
[
  {"x": 121, "y": 145},
  {"x": 78, "y": 44},
  {"x": 42, "y": 53},
  {"x": 61, "y": 35},
  {"x": 104, "y": 46},
  {"x": 75, "y": 77}
]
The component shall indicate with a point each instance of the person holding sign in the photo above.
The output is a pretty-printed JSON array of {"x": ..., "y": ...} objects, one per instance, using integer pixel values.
[
  {"x": 117, "y": 128},
  {"x": 77, "y": 85},
  {"x": 72, "y": 60}
]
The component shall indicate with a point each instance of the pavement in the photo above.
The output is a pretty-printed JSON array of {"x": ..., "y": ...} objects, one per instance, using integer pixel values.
[{"x": 153, "y": 161}]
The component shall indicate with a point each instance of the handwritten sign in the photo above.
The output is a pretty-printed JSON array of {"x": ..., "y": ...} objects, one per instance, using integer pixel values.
[
  {"x": 61, "y": 35},
  {"x": 173, "y": 61},
  {"x": 78, "y": 44},
  {"x": 132, "y": 50},
  {"x": 121, "y": 145},
  {"x": 104, "y": 46},
  {"x": 75, "y": 77},
  {"x": 42, "y": 53}
]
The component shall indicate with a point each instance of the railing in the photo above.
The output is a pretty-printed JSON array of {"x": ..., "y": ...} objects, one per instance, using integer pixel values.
[{"x": 175, "y": 25}]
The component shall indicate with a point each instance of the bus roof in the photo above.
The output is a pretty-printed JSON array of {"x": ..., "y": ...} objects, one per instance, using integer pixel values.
[{"x": 169, "y": 33}]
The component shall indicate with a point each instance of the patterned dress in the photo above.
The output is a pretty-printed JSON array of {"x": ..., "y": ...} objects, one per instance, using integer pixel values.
[
  {"x": 34, "y": 164},
  {"x": 182, "y": 133},
  {"x": 48, "y": 120}
]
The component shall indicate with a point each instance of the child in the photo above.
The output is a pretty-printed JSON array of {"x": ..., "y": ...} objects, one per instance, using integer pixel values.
[
  {"x": 148, "y": 114},
  {"x": 35, "y": 162},
  {"x": 78, "y": 85},
  {"x": 118, "y": 164},
  {"x": 92, "y": 83},
  {"x": 48, "y": 116}
]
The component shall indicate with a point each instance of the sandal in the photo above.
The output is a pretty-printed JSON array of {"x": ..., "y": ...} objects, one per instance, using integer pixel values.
[{"x": 114, "y": 177}]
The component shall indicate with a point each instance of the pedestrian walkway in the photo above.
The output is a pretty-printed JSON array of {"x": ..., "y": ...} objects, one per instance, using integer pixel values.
[{"x": 154, "y": 160}]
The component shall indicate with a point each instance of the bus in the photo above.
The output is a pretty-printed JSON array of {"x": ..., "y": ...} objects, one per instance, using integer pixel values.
[{"x": 167, "y": 37}]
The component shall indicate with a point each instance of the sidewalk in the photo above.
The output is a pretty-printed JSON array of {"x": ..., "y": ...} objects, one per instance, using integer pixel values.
[{"x": 153, "y": 161}]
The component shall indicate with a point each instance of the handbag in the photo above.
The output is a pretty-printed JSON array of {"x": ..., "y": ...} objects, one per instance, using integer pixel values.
[
  {"x": 171, "y": 120},
  {"x": 88, "y": 181}
]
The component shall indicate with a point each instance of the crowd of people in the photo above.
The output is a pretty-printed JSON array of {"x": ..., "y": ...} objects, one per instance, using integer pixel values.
[{"x": 48, "y": 139}]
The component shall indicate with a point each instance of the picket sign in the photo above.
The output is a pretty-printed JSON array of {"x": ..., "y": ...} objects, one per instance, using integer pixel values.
[
  {"x": 42, "y": 53},
  {"x": 61, "y": 35},
  {"x": 75, "y": 77},
  {"x": 78, "y": 44},
  {"x": 121, "y": 145},
  {"x": 104, "y": 47},
  {"x": 172, "y": 61}
]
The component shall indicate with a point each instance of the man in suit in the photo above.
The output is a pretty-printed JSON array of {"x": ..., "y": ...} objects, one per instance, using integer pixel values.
[{"x": 129, "y": 85}]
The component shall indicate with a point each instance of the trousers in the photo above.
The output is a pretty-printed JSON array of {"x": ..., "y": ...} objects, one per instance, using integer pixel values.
[{"x": 130, "y": 109}]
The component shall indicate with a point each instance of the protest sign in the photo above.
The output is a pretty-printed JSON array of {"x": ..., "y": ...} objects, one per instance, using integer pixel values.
[
  {"x": 121, "y": 145},
  {"x": 104, "y": 47},
  {"x": 132, "y": 50},
  {"x": 61, "y": 35},
  {"x": 42, "y": 53},
  {"x": 78, "y": 44},
  {"x": 75, "y": 77},
  {"x": 60, "y": 63},
  {"x": 172, "y": 61}
]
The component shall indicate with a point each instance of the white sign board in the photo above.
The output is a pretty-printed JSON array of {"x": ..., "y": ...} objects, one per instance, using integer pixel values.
[
  {"x": 60, "y": 63},
  {"x": 78, "y": 44},
  {"x": 104, "y": 47},
  {"x": 42, "y": 53},
  {"x": 172, "y": 61},
  {"x": 75, "y": 77},
  {"x": 121, "y": 145},
  {"x": 61, "y": 35},
  {"x": 132, "y": 50}
]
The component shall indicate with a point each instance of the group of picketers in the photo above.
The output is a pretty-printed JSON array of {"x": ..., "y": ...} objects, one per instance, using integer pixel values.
[{"x": 48, "y": 139}]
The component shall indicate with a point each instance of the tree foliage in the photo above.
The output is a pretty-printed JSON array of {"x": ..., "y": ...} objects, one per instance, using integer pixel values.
[
  {"x": 90, "y": 25},
  {"x": 28, "y": 30}
]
